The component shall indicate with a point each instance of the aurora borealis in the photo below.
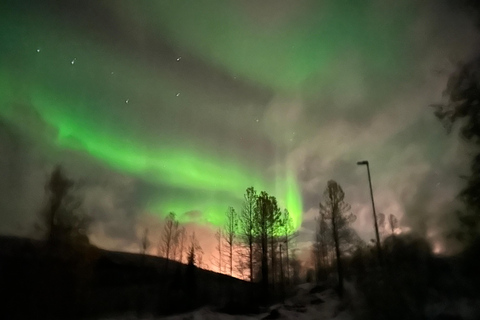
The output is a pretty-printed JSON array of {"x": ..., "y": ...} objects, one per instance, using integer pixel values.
[
  {"x": 162, "y": 106},
  {"x": 65, "y": 95}
]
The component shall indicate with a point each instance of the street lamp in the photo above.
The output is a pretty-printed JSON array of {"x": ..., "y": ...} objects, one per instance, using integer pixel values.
[{"x": 361, "y": 163}]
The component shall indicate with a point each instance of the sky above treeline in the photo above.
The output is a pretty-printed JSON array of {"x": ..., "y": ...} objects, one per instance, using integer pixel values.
[{"x": 159, "y": 106}]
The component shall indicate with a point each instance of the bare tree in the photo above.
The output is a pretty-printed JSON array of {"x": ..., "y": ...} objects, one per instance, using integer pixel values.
[
  {"x": 296, "y": 267},
  {"x": 181, "y": 243},
  {"x": 176, "y": 242},
  {"x": 229, "y": 234},
  {"x": 247, "y": 225},
  {"x": 325, "y": 235},
  {"x": 168, "y": 237},
  {"x": 336, "y": 210},
  {"x": 287, "y": 234},
  {"x": 461, "y": 105},
  {"x": 145, "y": 242},
  {"x": 242, "y": 263},
  {"x": 63, "y": 221},
  {"x": 218, "y": 260},
  {"x": 393, "y": 222},
  {"x": 322, "y": 246}
]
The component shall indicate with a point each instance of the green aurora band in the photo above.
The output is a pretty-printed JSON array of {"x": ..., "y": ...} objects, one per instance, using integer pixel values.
[
  {"x": 79, "y": 122},
  {"x": 175, "y": 167},
  {"x": 74, "y": 98}
]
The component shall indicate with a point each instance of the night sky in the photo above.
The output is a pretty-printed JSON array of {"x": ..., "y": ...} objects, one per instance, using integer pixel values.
[{"x": 158, "y": 106}]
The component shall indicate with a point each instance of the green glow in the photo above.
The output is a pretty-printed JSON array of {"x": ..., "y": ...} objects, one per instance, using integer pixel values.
[
  {"x": 175, "y": 167},
  {"x": 288, "y": 53},
  {"x": 81, "y": 106},
  {"x": 203, "y": 182}
]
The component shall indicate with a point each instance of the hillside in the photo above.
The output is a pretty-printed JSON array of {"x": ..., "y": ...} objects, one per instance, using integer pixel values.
[{"x": 89, "y": 281}]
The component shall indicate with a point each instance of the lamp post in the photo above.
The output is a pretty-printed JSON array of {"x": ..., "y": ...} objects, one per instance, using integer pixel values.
[{"x": 365, "y": 162}]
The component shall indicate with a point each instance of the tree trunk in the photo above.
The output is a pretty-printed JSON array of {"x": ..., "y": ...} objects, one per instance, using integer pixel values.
[
  {"x": 272, "y": 252},
  {"x": 282, "y": 278},
  {"x": 287, "y": 268},
  {"x": 337, "y": 252},
  {"x": 250, "y": 247},
  {"x": 167, "y": 257},
  {"x": 264, "y": 268},
  {"x": 231, "y": 259}
]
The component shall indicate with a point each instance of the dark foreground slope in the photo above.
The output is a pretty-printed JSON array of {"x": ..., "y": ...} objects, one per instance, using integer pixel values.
[{"x": 41, "y": 282}]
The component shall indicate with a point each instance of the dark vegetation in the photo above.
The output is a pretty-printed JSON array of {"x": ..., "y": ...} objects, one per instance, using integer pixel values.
[
  {"x": 64, "y": 276},
  {"x": 411, "y": 282},
  {"x": 402, "y": 278},
  {"x": 89, "y": 282},
  {"x": 257, "y": 242},
  {"x": 406, "y": 281}
]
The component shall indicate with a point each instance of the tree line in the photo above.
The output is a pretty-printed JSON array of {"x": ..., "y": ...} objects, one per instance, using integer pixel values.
[
  {"x": 177, "y": 244},
  {"x": 334, "y": 238},
  {"x": 255, "y": 242}
]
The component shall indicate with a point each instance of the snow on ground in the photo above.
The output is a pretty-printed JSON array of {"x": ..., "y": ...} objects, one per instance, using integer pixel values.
[{"x": 309, "y": 302}]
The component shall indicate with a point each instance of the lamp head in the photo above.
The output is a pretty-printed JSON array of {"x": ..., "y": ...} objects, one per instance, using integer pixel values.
[{"x": 364, "y": 162}]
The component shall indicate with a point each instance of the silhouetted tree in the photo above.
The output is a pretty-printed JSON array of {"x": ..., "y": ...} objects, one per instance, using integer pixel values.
[
  {"x": 176, "y": 242},
  {"x": 335, "y": 209},
  {"x": 63, "y": 221},
  {"x": 262, "y": 213},
  {"x": 321, "y": 246},
  {"x": 247, "y": 225},
  {"x": 229, "y": 234},
  {"x": 287, "y": 233},
  {"x": 194, "y": 250},
  {"x": 462, "y": 105},
  {"x": 167, "y": 239},
  {"x": 296, "y": 267},
  {"x": 145, "y": 242},
  {"x": 381, "y": 225},
  {"x": 262, "y": 227},
  {"x": 274, "y": 232},
  {"x": 393, "y": 222},
  {"x": 194, "y": 253},
  {"x": 402, "y": 292},
  {"x": 218, "y": 260},
  {"x": 242, "y": 263},
  {"x": 181, "y": 243},
  {"x": 66, "y": 280}
]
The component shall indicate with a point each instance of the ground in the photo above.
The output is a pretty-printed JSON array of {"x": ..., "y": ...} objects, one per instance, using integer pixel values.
[{"x": 309, "y": 302}]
